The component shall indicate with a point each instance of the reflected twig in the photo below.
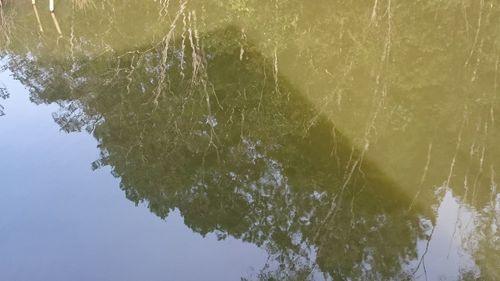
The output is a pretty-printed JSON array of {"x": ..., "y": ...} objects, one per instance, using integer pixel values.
[
  {"x": 35, "y": 9},
  {"x": 421, "y": 261},
  {"x": 56, "y": 23}
]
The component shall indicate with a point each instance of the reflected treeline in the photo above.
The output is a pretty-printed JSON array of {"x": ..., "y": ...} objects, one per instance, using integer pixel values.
[
  {"x": 418, "y": 102},
  {"x": 320, "y": 132},
  {"x": 236, "y": 155}
]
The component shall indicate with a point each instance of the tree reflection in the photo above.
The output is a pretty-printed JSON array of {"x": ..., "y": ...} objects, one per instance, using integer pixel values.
[
  {"x": 237, "y": 154},
  {"x": 207, "y": 123}
]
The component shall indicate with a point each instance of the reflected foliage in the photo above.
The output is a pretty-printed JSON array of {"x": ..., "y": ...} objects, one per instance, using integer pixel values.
[
  {"x": 237, "y": 155},
  {"x": 315, "y": 131},
  {"x": 3, "y": 95}
]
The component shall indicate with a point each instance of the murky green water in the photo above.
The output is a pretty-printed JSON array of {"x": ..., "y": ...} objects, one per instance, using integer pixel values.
[{"x": 261, "y": 140}]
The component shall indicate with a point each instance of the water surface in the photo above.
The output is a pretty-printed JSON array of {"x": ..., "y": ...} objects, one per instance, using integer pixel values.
[{"x": 260, "y": 141}]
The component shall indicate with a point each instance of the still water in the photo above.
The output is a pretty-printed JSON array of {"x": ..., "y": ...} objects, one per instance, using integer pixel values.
[{"x": 250, "y": 140}]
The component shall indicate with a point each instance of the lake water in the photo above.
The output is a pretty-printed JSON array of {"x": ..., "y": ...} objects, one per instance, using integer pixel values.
[{"x": 249, "y": 140}]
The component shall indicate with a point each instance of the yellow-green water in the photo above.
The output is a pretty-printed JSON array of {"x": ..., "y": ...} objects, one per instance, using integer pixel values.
[{"x": 343, "y": 140}]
